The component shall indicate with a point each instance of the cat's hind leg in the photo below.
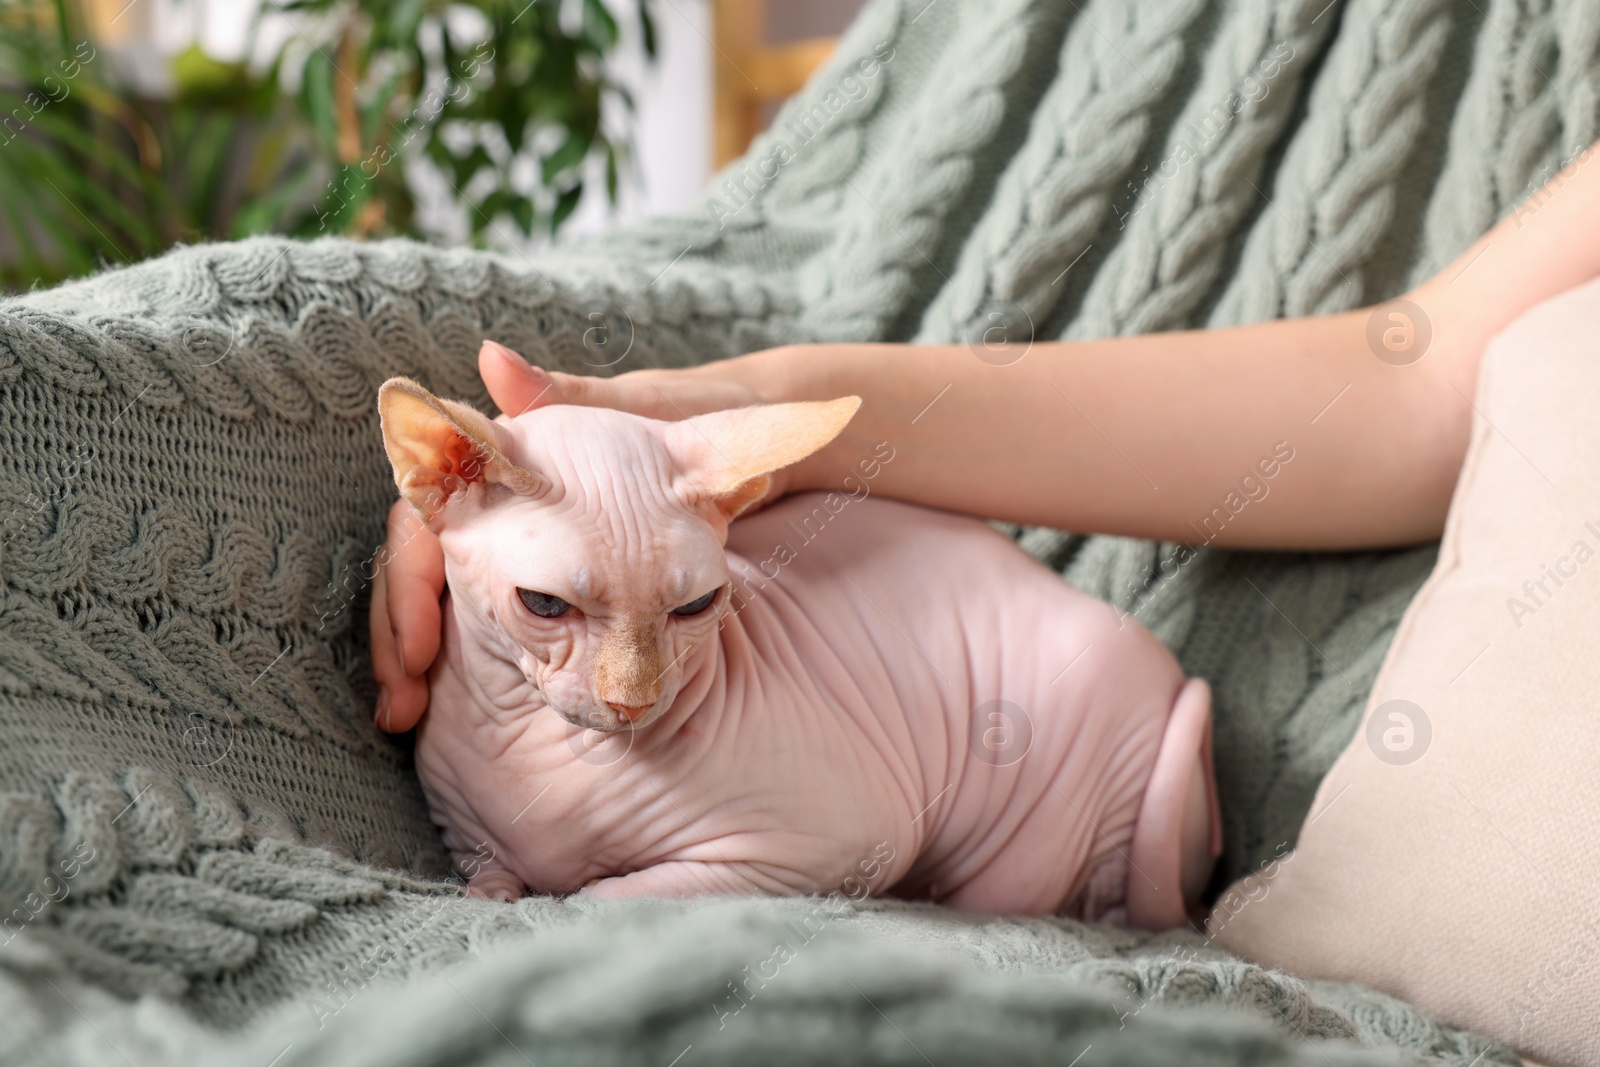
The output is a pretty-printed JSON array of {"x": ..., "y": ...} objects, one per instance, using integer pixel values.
[{"x": 1178, "y": 835}]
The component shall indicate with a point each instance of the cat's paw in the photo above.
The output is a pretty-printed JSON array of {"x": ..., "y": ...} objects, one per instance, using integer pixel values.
[
  {"x": 606, "y": 889},
  {"x": 499, "y": 885},
  {"x": 675, "y": 878}
]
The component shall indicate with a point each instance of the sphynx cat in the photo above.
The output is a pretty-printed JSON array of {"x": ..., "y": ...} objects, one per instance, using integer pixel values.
[{"x": 639, "y": 695}]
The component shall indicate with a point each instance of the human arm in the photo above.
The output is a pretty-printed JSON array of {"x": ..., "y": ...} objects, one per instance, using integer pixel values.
[{"x": 1143, "y": 436}]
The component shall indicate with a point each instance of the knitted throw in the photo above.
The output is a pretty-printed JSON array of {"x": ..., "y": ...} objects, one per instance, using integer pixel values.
[{"x": 208, "y": 853}]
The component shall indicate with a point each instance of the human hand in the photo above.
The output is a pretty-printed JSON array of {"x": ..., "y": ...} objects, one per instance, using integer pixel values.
[
  {"x": 406, "y": 619},
  {"x": 668, "y": 395}
]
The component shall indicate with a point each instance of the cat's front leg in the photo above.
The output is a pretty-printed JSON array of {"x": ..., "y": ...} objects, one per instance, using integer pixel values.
[
  {"x": 487, "y": 877},
  {"x": 496, "y": 884},
  {"x": 491, "y": 880}
]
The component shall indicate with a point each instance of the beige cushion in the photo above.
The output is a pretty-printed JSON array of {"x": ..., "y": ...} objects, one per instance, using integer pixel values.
[{"x": 1452, "y": 856}]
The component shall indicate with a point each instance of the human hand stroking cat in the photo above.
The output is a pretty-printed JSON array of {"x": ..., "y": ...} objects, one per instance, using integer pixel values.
[{"x": 638, "y": 695}]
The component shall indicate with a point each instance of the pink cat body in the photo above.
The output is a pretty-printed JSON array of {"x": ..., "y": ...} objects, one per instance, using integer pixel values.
[{"x": 831, "y": 717}]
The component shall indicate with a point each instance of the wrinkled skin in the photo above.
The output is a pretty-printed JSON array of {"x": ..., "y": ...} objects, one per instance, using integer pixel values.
[{"x": 820, "y": 722}]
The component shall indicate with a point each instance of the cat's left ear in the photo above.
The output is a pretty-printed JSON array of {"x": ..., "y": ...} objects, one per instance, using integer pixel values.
[
  {"x": 439, "y": 447},
  {"x": 727, "y": 457}
]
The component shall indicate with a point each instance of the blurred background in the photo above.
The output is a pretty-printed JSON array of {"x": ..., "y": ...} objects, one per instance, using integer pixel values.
[{"x": 130, "y": 127}]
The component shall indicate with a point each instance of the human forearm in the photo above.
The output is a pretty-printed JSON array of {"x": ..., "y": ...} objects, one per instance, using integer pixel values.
[{"x": 1148, "y": 436}]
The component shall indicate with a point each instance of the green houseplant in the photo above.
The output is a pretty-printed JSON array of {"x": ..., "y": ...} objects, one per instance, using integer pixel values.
[{"x": 510, "y": 110}]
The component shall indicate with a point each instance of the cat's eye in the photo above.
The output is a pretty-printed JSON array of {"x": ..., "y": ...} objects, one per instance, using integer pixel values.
[
  {"x": 695, "y": 607},
  {"x": 543, "y": 604}
]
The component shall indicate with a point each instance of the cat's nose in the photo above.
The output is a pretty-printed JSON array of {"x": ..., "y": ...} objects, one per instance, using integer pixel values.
[{"x": 630, "y": 712}]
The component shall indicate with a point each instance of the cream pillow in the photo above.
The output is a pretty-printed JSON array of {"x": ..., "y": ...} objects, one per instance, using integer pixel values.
[{"x": 1452, "y": 854}]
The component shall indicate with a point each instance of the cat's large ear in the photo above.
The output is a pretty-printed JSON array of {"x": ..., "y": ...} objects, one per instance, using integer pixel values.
[
  {"x": 439, "y": 447},
  {"x": 727, "y": 457}
]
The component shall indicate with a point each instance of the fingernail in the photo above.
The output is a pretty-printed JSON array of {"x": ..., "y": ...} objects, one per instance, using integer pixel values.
[
  {"x": 380, "y": 717},
  {"x": 400, "y": 647},
  {"x": 503, "y": 350}
]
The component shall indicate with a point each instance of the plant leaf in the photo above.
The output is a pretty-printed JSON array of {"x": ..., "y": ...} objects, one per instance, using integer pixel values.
[
  {"x": 566, "y": 204},
  {"x": 316, "y": 99},
  {"x": 647, "y": 27},
  {"x": 569, "y": 155}
]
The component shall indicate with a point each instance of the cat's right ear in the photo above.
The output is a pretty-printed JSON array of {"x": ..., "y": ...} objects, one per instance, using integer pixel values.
[{"x": 439, "y": 447}]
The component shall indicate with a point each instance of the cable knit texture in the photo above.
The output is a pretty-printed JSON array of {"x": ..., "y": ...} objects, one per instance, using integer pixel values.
[{"x": 207, "y": 852}]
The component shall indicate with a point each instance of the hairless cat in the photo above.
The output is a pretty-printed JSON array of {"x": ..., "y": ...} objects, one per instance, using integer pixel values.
[{"x": 639, "y": 695}]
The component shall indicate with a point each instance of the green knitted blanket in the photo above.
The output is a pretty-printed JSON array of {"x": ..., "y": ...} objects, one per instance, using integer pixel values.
[{"x": 208, "y": 854}]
